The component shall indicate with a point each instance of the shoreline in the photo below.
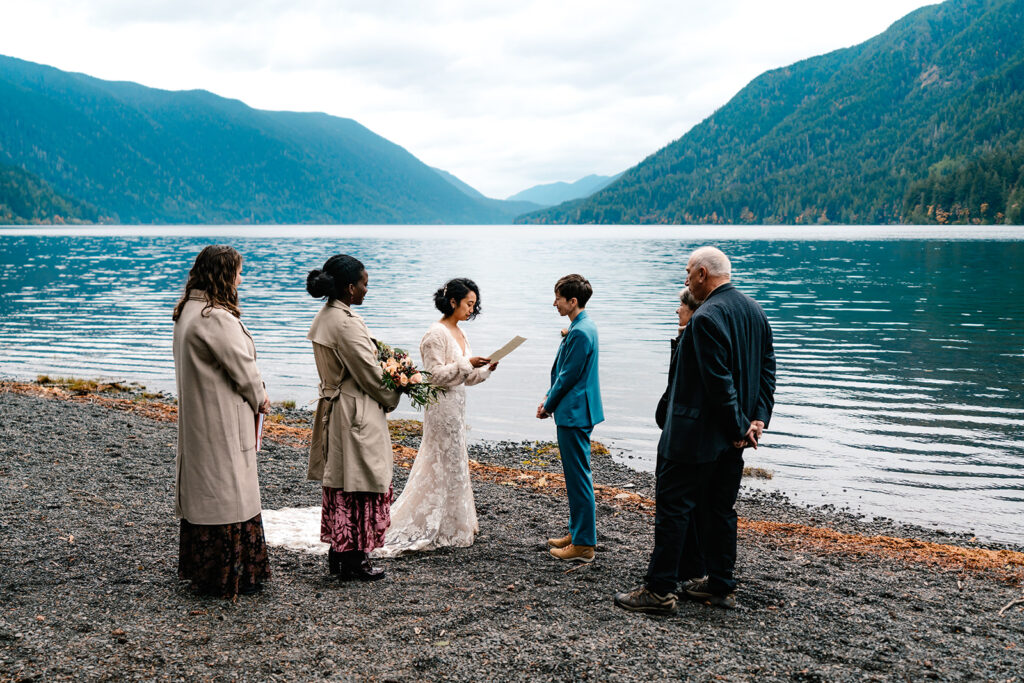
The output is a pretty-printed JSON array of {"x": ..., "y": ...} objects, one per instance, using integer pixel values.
[
  {"x": 525, "y": 463},
  {"x": 289, "y": 424},
  {"x": 89, "y": 589}
]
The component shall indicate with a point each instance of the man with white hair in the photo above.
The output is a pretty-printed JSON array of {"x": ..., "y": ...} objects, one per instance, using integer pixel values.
[{"x": 720, "y": 400}]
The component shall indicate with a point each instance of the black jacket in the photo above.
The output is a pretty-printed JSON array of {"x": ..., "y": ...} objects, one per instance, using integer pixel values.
[
  {"x": 723, "y": 377},
  {"x": 662, "y": 410}
]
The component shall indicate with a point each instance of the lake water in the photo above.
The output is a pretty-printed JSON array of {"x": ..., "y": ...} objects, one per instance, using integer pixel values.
[{"x": 900, "y": 350}]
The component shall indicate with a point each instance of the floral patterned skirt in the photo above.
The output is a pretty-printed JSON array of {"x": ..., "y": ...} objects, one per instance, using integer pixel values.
[
  {"x": 223, "y": 559},
  {"x": 355, "y": 520}
]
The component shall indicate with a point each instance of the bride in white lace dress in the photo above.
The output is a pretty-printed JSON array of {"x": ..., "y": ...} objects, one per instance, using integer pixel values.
[{"x": 436, "y": 508}]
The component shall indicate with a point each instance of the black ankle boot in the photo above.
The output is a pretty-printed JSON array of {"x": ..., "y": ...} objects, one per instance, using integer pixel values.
[
  {"x": 333, "y": 561},
  {"x": 355, "y": 564}
]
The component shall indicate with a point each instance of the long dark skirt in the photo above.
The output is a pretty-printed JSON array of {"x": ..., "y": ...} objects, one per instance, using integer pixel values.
[
  {"x": 224, "y": 559},
  {"x": 355, "y": 520}
]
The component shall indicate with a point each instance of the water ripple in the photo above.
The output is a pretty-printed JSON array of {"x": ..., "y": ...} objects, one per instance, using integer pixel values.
[{"x": 900, "y": 386}]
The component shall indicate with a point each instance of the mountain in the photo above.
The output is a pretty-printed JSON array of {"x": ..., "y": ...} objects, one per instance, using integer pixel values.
[
  {"x": 141, "y": 155},
  {"x": 508, "y": 208},
  {"x": 25, "y": 198},
  {"x": 988, "y": 188},
  {"x": 464, "y": 187},
  {"x": 853, "y": 136},
  {"x": 556, "y": 193}
]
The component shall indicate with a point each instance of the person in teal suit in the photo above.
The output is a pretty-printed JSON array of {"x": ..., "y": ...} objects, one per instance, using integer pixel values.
[{"x": 574, "y": 400}]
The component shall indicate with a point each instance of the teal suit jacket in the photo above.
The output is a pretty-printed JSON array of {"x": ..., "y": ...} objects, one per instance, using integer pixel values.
[{"x": 575, "y": 394}]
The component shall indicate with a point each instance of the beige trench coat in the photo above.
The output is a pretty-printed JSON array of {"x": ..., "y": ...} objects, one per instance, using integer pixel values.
[
  {"x": 219, "y": 393},
  {"x": 351, "y": 447}
]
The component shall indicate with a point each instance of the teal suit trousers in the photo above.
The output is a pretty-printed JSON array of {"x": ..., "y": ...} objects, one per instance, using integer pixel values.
[{"x": 574, "y": 446}]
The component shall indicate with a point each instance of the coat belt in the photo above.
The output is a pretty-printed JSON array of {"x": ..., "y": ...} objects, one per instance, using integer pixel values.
[{"x": 329, "y": 393}]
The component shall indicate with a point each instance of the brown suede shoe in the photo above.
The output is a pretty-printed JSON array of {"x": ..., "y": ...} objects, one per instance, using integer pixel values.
[
  {"x": 574, "y": 553},
  {"x": 560, "y": 542}
]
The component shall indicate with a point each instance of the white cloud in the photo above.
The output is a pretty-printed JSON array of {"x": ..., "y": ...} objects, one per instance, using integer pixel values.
[{"x": 504, "y": 95}]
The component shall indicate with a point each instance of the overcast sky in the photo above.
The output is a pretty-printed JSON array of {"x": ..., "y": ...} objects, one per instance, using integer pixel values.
[{"x": 504, "y": 95}]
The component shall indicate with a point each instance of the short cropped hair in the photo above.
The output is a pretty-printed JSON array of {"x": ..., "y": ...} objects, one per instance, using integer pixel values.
[
  {"x": 713, "y": 260},
  {"x": 574, "y": 287},
  {"x": 687, "y": 299}
]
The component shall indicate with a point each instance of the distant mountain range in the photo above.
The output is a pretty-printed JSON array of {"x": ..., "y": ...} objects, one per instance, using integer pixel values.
[
  {"x": 505, "y": 207},
  {"x": 460, "y": 185},
  {"x": 74, "y": 147},
  {"x": 556, "y": 193},
  {"x": 923, "y": 123}
]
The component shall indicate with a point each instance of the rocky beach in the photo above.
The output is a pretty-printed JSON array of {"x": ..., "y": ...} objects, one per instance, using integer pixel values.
[{"x": 89, "y": 590}]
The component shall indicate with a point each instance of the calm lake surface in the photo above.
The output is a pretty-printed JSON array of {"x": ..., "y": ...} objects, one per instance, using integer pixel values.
[{"x": 900, "y": 350}]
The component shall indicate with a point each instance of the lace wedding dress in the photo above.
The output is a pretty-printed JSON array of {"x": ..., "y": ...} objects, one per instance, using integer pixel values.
[{"x": 436, "y": 508}]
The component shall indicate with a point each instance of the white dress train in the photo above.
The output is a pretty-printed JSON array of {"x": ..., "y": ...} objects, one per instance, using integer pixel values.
[{"x": 436, "y": 507}]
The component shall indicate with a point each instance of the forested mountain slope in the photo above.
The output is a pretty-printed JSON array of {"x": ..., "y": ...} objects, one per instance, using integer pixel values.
[
  {"x": 142, "y": 155},
  {"x": 868, "y": 134}
]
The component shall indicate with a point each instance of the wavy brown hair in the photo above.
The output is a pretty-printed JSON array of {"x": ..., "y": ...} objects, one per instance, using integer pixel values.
[{"x": 214, "y": 273}]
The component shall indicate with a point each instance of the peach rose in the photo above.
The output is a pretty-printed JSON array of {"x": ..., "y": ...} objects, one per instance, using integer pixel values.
[
  {"x": 403, "y": 380},
  {"x": 416, "y": 379}
]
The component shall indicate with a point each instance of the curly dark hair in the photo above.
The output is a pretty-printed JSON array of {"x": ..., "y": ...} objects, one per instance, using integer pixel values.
[
  {"x": 574, "y": 287},
  {"x": 332, "y": 281},
  {"x": 457, "y": 289},
  {"x": 214, "y": 272}
]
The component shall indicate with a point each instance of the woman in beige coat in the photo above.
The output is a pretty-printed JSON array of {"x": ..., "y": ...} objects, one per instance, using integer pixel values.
[
  {"x": 220, "y": 392},
  {"x": 350, "y": 451}
]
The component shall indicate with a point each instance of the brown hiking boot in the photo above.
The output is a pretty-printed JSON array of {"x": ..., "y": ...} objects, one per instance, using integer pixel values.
[
  {"x": 560, "y": 542},
  {"x": 574, "y": 553},
  {"x": 701, "y": 593},
  {"x": 643, "y": 600}
]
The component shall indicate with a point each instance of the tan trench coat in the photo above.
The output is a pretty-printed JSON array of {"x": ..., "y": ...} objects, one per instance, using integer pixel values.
[
  {"x": 219, "y": 392},
  {"x": 351, "y": 447}
]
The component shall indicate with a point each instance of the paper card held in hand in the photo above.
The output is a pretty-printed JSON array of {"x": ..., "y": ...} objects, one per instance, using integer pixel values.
[
  {"x": 507, "y": 349},
  {"x": 259, "y": 431}
]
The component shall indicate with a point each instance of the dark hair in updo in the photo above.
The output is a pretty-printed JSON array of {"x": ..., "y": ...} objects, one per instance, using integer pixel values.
[
  {"x": 457, "y": 289},
  {"x": 332, "y": 281}
]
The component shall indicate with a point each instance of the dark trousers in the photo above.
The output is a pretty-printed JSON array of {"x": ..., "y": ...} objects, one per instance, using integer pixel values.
[
  {"x": 691, "y": 562},
  {"x": 682, "y": 487}
]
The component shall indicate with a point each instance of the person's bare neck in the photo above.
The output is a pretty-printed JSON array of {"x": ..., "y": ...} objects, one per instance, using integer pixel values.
[{"x": 716, "y": 282}]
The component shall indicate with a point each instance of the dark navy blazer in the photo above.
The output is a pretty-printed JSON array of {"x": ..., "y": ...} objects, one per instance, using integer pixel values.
[
  {"x": 722, "y": 380},
  {"x": 575, "y": 394}
]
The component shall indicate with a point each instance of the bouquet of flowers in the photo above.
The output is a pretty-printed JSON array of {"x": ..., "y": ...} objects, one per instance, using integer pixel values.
[{"x": 398, "y": 373}]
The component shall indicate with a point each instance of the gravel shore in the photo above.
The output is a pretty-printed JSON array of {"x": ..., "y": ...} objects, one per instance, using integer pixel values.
[{"x": 89, "y": 591}]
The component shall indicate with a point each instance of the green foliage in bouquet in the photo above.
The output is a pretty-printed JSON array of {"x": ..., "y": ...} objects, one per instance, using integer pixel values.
[{"x": 399, "y": 373}]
